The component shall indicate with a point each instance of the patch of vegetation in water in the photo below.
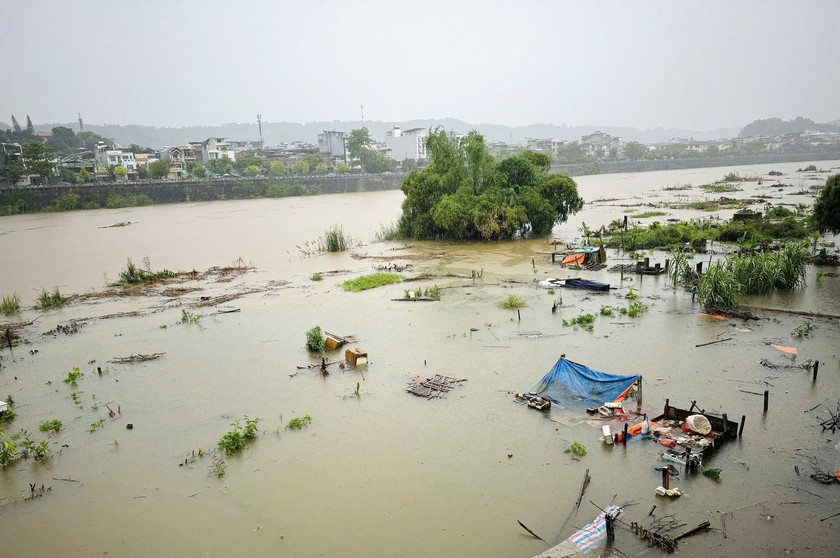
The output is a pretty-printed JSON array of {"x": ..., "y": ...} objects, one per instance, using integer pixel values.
[
  {"x": 371, "y": 281},
  {"x": 720, "y": 188},
  {"x": 47, "y": 300},
  {"x": 132, "y": 274},
  {"x": 512, "y": 302},
  {"x": 238, "y": 437},
  {"x": 315, "y": 340},
  {"x": 10, "y": 305},
  {"x": 648, "y": 214},
  {"x": 585, "y": 321},
  {"x": 298, "y": 423}
]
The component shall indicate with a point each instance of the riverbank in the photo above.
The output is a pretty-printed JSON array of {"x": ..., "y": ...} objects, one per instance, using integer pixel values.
[
  {"x": 65, "y": 196},
  {"x": 68, "y": 197},
  {"x": 609, "y": 167}
]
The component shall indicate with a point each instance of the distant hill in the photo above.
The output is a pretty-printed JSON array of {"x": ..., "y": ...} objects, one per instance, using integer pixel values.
[
  {"x": 275, "y": 132},
  {"x": 779, "y": 127}
]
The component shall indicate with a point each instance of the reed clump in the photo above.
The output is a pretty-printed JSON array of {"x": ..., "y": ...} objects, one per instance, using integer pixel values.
[
  {"x": 725, "y": 283},
  {"x": 10, "y": 305}
]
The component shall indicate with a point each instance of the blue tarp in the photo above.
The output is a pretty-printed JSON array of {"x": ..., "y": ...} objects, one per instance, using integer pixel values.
[{"x": 569, "y": 380}]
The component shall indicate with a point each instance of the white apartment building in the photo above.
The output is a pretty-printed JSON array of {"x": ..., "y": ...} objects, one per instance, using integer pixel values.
[
  {"x": 407, "y": 144},
  {"x": 106, "y": 156},
  {"x": 214, "y": 148}
]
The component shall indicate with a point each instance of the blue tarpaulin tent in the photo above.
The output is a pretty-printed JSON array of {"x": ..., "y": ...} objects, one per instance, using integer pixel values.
[{"x": 568, "y": 380}]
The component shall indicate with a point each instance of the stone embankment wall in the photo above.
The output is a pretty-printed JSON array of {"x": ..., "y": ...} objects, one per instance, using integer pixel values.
[{"x": 174, "y": 191}]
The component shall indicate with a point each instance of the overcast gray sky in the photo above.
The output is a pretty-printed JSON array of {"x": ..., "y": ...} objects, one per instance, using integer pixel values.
[{"x": 693, "y": 64}]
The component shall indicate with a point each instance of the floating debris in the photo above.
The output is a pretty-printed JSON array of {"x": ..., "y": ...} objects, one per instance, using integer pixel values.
[
  {"x": 433, "y": 387},
  {"x": 67, "y": 329},
  {"x": 136, "y": 358}
]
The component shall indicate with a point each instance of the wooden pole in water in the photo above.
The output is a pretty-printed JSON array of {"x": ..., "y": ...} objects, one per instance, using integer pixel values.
[
  {"x": 625, "y": 434},
  {"x": 741, "y": 429},
  {"x": 816, "y": 369},
  {"x": 766, "y": 399},
  {"x": 666, "y": 478},
  {"x": 518, "y": 315},
  {"x": 610, "y": 529}
]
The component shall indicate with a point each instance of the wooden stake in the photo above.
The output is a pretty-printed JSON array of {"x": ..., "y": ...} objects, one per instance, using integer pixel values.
[
  {"x": 816, "y": 369},
  {"x": 741, "y": 429},
  {"x": 702, "y": 527},
  {"x": 583, "y": 485},
  {"x": 532, "y": 533},
  {"x": 766, "y": 399}
]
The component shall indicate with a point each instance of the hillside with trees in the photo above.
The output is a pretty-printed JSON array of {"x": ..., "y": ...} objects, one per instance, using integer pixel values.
[
  {"x": 779, "y": 127},
  {"x": 465, "y": 194}
]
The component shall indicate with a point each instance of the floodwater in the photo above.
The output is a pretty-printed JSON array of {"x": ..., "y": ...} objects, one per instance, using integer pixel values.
[{"x": 388, "y": 474}]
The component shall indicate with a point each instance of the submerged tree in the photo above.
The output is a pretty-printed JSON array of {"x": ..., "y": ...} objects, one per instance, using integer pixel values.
[
  {"x": 827, "y": 206},
  {"x": 465, "y": 195}
]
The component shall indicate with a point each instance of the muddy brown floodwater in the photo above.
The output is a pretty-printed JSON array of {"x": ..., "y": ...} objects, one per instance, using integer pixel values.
[{"x": 388, "y": 474}]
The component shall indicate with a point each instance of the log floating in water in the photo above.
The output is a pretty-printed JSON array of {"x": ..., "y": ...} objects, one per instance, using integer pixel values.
[{"x": 713, "y": 342}]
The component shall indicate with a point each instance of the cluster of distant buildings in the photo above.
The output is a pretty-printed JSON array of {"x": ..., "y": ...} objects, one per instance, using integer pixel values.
[
  {"x": 603, "y": 146},
  {"x": 399, "y": 145}
]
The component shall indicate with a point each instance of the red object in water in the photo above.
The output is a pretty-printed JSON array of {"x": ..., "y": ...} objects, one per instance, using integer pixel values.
[{"x": 668, "y": 443}]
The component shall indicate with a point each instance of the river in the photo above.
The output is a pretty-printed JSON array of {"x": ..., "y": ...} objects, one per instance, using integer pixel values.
[{"x": 385, "y": 473}]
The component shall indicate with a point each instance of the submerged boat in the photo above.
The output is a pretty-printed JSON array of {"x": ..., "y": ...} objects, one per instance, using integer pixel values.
[{"x": 575, "y": 283}]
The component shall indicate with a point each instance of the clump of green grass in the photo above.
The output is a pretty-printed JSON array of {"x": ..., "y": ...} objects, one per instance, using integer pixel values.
[
  {"x": 804, "y": 329},
  {"x": 96, "y": 425},
  {"x": 720, "y": 188},
  {"x": 371, "y": 281},
  {"x": 647, "y": 214},
  {"x": 73, "y": 376},
  {"x": 607, "y": 310},
  {"x": 705, "y": 205},
  {"x": 433, "y": 292},
  {"x": 315, "y": 340},
  {"x": 718, "y": 288},
  {"x": 585, "y": 321},
  {"x": 334, "y": 240},
  {"x": 190, "y": 318},
  {"x": 218, "y": 468},
  {"x": 389, "y": 232},
  {"x": 10, "y": 305},
  {"x": 316, "y": 277},
  {"x": 21, "y": 446},
  {"x": 48, "y": 300},
  {"x": 53, "y": 425},
  {"x": 680, "y": 268},
  {"x": 636, "y": 307},
  {"x": 299, "y": 423},
  {"x": 238, "y": 437},
  {"x": 135, "y": 275},
  {"x": 512, "y": 302},
  {"x": 733, "y": 176},
  {"x": 8, "y": 417}
]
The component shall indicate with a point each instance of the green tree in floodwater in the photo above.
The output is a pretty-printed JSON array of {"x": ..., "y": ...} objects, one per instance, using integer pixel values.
[
  {"x": 827, "y": 206},
  {"x": 464, "y": 194}
]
